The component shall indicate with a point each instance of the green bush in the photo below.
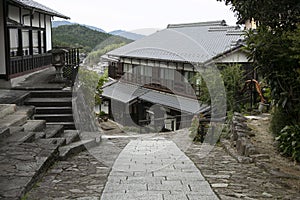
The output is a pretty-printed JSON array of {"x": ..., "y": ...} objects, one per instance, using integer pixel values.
[
  {"x": 233, "y": 78},
  {"x": 289, "y": 141},
  {"x": 279, "y": 120}
]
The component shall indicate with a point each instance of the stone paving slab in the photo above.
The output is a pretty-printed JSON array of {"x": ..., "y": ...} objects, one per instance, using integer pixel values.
[
  {"x": 155, "y": 169},
  {"x": 233, "y": 180},
  {"x": 21, "y": 165},
  {"x": 13, "y": 96},
  {"x": 83, "y": 176}
]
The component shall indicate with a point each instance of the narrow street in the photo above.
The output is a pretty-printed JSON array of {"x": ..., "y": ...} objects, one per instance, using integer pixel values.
[{"x": 121, "y": 167}]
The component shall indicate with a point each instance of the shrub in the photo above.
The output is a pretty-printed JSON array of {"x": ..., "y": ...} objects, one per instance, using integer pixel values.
[
  {"x": 279, "y": 120},
  {"x": 289, "y": 141}
]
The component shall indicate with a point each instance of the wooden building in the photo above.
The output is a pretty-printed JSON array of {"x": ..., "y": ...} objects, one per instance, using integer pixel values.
[
  {"x": 25, "y": 37},
  {"x": 160, "y": 70}
]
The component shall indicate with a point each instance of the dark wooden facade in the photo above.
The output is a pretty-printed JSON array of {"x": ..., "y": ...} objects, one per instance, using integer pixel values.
[
  {"x": 27, "y": 39},
  {"x": 179, "y": 81}
]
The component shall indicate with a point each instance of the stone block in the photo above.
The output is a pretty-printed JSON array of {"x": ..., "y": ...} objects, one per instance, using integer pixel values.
[
  {"x": 35, "y": 125},
  {"x": 250, "y": 150},
  {"x": 239, "y": 116},
  {"x": 257, "y": 157},
  {"x": 240, "y": 145},
  {"x": 4, "y": 132},
  {"x": 7, "y": 109}
]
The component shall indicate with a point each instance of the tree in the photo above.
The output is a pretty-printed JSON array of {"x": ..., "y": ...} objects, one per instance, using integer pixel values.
[
  {"x": 275, "y": 49},
  {"x": 276, "y": 14}
]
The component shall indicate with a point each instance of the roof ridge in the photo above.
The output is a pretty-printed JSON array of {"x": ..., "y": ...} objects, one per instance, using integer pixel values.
[{"x": 208, "y": 23}]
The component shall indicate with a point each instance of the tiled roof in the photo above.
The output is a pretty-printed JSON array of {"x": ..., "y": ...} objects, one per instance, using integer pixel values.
[
  {"x": 186, "y": 105},
  {"x": 35, "y": 5},
  {"x": 196, "y": 42},
  {"x": 127, "y": 93},
  {"x": 123, "y": 92}
]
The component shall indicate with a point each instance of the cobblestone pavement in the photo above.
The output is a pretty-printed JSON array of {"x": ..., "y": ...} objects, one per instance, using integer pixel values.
[
  {"x": 83, "y": 176},
  {"x": 232, "y": 180},
  {"x": 80, "y": 177},
  {"x": 155, "y": 169}
]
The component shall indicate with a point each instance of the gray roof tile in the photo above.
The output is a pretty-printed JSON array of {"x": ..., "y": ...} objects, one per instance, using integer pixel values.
[
  {"x": 123, "y": 92},
  {"x": 197, "y": 42},
  {"x": 127, "y": 93},
  {"x": 36, "y": 5},
  {"x": 186, "y": 105}
]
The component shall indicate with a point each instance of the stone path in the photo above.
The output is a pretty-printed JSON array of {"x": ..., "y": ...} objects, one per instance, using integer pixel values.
[
  {"x": 232, "y": 180},
  {"x": 155, "y": 169},
  {"x": 80, "y": 177},
  {"x": 84, "y": 176}
]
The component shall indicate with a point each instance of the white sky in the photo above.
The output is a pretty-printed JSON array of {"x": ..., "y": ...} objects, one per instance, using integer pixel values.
[{"x": 130, "y": 15}]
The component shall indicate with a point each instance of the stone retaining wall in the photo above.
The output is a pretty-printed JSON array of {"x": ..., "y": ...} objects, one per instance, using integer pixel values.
[{"x": 240, "y": 145}]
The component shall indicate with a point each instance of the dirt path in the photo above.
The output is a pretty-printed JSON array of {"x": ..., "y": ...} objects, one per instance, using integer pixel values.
[{"x": 287, "y": 170}]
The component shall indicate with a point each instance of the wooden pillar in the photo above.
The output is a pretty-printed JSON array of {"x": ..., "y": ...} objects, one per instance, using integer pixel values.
[{"x": 6, "y": 39}]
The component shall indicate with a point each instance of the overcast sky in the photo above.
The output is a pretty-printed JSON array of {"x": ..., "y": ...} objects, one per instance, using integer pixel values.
[{"x": 138, "y": 14}]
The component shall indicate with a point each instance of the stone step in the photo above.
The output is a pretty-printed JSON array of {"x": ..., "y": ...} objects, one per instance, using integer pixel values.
[
  {"x": 50, "y": 94},
  {"x": 4, "y": 132},
  {"x": 13, "y": 120},
  {"x": 49, "y": 141},
  {"x": 53, "y": 110},
  {"x": 40, "y": 135},
  {"x": 75, "y": 147},
  {"x": 28, "y": 163},
  {"x": 19, "y": 137},
  {"x": 71, "y": 136},
  {"x": 7, "y": 109},
  {"x": 49, "y": 102},
  {"x": 15, "y": 129},
  {"x": 66, "y": 125},
  {"x": 34, "y": 125},
  {"x": 25, "y": 110},
  {"x": 52, "y": 131},
  {"x": 55, "y": 117}
]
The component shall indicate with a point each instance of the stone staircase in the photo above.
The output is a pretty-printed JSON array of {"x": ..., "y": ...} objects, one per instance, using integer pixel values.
[
  {"x": 53, "y": 106},
  {"x": 29, "y": 145}
]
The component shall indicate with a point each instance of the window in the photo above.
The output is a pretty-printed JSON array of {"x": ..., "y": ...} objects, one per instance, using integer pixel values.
[
  {"x": 14, "y": 42},
  {"x": 35, "y": 41},
  {"x": 127, "y": 68},
  {"x": 146, "y": 71},
  {"x": 25, "y": 38},
  {"x": 188, "y": 76},
  {"x": 42, "y": 42},
  {"x": 166, "y": 73}
]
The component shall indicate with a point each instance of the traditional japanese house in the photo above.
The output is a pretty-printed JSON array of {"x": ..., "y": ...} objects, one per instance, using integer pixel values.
[
  {"x": 25, "y": 38},
  {"x": 159, "y": 70}
]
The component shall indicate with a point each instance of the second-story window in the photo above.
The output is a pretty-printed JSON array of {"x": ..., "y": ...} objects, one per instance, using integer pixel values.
[
  {"x": 127, "y": 68},
  {"x": 146, "y": 71},
  {"x": 188, "y": 76},
  {"x": 167, "y": 74}
]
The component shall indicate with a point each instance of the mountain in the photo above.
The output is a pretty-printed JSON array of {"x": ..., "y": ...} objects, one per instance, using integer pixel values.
[
  {"x": 60, "y": 23},
  {"x": 80, "y": 36},
  {"x": 126, "y": 34},
  {"x": 56, "y": 24}
]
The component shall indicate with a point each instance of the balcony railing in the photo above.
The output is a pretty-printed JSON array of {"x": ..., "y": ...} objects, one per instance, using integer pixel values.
[
  {"x": 22, "y": 64},
  {"x": 72, "y": 63}
]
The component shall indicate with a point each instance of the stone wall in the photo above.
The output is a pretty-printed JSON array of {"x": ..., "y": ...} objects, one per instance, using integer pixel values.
[
  {"x": 239, "y": 145},
  {"x": 240, "y": 136}
]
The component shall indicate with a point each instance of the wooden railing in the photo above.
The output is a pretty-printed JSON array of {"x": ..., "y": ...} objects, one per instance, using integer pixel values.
[
  {"x": 72, "y": 64},
  {"x": 22, "y": 64}
]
